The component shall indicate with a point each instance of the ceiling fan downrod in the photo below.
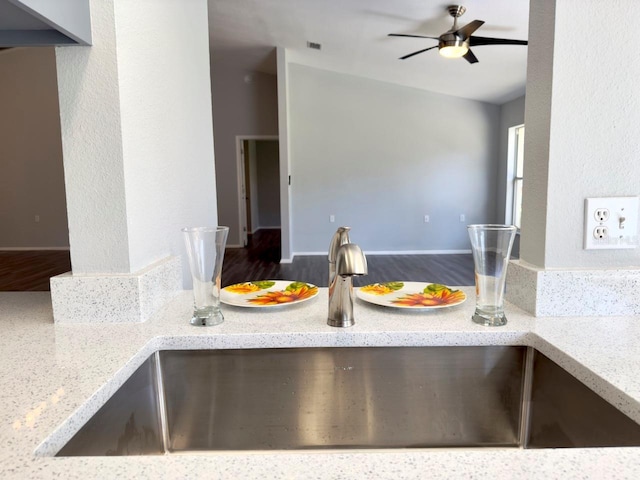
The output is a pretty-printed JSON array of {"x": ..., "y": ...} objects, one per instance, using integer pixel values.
[{"x": 456, "y": 11}]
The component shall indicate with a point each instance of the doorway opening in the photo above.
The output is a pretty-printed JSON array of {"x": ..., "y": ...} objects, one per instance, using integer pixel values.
[
  {"x": 34, "y": 238},
  {"x": 259, "y": 196}
]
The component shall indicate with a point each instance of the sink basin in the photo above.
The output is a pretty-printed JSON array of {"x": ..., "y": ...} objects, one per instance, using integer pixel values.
[{"x": 344, "y": 398}]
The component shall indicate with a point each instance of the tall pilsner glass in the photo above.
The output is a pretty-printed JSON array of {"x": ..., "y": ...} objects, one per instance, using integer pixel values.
[
  {"x": 205, "y": 250},
  {"x": 491, "y": 246}
]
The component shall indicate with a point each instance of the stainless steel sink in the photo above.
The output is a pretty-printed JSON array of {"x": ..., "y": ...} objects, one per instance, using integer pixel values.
[{"x": 345, "y": 398}]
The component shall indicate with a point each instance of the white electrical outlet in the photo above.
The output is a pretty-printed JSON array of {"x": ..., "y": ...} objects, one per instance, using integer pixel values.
[
  {"x": 601, "y": 215},
  {"x": 611, "y": 222},
  {"x": 426, "y": 219},
  {"x": 462, "y": 217},
  {"x": 600, "y": 233},
  {"x": 332, "y": 218}
]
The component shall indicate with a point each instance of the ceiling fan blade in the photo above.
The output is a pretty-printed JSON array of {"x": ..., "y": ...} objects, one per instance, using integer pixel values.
[
  {"x": 413, "y": 36},
  {"x": 466, "y": 31},
  {"x": 475, "y": 41},
  {"x": 416, "y": 53},
  {"x": 470, "y": 57}
]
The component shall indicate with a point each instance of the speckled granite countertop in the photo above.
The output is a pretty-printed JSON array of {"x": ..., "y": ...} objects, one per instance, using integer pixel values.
[{"x": 52, "y": 377}]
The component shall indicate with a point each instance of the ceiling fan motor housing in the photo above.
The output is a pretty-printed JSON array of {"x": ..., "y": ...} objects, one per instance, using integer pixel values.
[{"x": 452, "y": 40}]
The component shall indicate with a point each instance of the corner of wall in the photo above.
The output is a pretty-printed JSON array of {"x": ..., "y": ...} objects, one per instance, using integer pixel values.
[{"x": 284, "y": 147}]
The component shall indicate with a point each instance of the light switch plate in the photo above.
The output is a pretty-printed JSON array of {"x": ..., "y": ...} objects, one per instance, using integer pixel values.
[{"x": 611, "y": 223}]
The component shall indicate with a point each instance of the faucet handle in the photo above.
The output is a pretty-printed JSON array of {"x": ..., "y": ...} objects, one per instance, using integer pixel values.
[
  {"x": 350, "y": 260},
  {"x": 341, "y": 237}
]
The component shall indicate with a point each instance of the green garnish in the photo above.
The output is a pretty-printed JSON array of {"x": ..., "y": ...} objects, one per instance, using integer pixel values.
[
  {"x": 434, "y": 288},
  {"x": 295, "y": 286}
]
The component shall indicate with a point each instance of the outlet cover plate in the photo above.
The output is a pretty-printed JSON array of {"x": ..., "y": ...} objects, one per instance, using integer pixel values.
[{"x": 621, "y": 222}]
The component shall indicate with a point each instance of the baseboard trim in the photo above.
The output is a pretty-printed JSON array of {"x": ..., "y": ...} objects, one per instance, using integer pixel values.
[
  {"x": 266, "y": 228},
  {"x": 396, "y": 252},
  {"x": 418, "y": 252},
  {"x": 25, "y": 249}
]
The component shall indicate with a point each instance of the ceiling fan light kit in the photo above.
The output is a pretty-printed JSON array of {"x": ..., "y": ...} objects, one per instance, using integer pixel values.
[
  {"x": 456, "y": 42},
  {"x": 452, "y": 46}
]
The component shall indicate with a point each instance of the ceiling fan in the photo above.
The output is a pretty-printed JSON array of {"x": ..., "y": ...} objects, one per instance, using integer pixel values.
[{"x": 457, "y": 42}]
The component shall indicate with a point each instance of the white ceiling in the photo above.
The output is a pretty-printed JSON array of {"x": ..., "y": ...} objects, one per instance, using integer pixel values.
[{"x": 353, "y": 34}]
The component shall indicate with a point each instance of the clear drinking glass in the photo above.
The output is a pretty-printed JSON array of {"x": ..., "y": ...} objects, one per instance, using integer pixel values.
[
  {"x": 205, "y": 250},
  {"x": 491, "y": 247}
]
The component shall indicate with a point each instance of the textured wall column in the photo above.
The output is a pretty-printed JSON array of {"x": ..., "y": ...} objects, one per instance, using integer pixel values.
[
  {"x": 583, "y": 127},
  {"x": 137, "y": 141},
  {"x": 91, "y": 126},
  {"x": 583, "y": 134}
]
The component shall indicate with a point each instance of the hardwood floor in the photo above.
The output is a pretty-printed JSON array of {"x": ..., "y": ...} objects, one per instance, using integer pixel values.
[
  {"x": 259, "y": 261},
  {"x": 447, "y": 269},
  {"x": 31, "y": 270}
]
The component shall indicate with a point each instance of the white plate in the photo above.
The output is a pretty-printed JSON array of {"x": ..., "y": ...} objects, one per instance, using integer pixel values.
[
  {"x": 410, "y": 295},
  {"x": 267, "y": 293}
]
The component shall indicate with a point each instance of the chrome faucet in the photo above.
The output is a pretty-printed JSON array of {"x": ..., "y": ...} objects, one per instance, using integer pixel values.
[
  {"x": 346, "y": 259},
  {"x": 341, "y": 237}
]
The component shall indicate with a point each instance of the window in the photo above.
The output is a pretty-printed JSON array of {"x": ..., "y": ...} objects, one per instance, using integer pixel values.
[
  {"x": 517, "y": 179},
  {"x": 515, "y": 175}
]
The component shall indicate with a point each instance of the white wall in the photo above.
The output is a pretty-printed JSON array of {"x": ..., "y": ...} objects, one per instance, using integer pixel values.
[
  {"x": 243, "y": 104},
  {"x": 253, "y": 191},
  {"x": 31, "y": 174},
  {"x": 137, "y": 133},
  {"x": 165, "y": 97},
  {"x": 380, "y": 157},
  {"x": 285, "y": 159},
  {"x": 583, "y": 128},
  {"x": 92, "y": 149}
]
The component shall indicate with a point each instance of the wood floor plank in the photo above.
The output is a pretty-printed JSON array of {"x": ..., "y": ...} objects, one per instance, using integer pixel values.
[
  {"x": 31, "y": 270},
  {"x": 258, "y": 262}
]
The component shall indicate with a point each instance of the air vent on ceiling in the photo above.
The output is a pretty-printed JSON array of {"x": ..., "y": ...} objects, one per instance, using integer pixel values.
[{"x": 313, "y": 45}]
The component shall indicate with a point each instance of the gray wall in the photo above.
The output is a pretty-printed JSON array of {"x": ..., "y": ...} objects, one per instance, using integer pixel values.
[
  {"x": 253, "y": 180},
  {"x": 31, "y": 172},
  {"x": 239, "y": 108},
  {"x": 511, "y": 114},
  {"x": 268, "y": 167},
  {"x": 380, "y": 157}
]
